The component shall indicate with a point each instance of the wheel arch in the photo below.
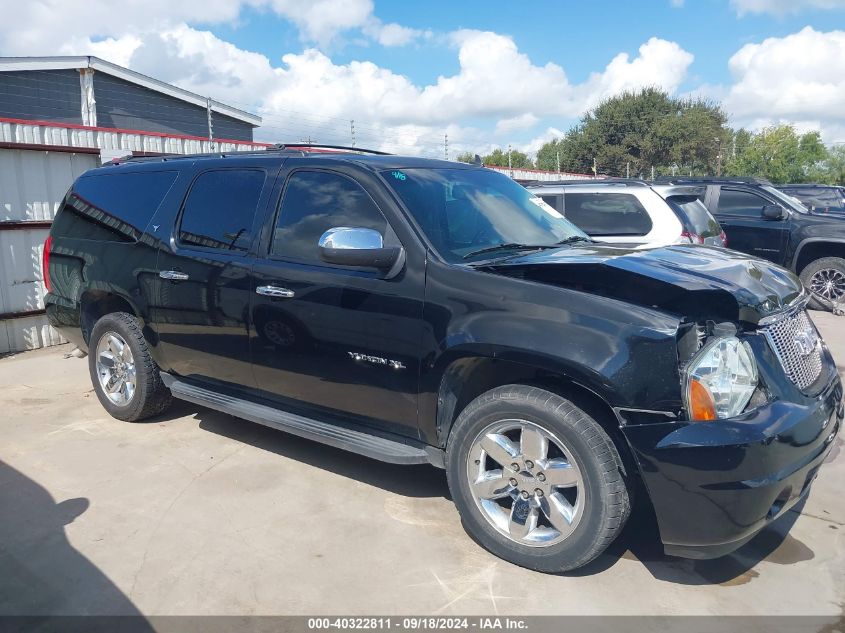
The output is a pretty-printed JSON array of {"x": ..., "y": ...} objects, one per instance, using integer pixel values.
[
  {"x": 813, "y": 248},
  {"x": 467, "y": 377},
  {"x": 95, "y": 304}
]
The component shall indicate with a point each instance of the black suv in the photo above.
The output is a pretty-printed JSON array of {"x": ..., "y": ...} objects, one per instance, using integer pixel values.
[
  {"x": 761, "y": 220},
  {"x": 423, "y": 311}
]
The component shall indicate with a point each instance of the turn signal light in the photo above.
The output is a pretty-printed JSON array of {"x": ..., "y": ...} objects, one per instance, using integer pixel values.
[{"x": 702, "y": 407}]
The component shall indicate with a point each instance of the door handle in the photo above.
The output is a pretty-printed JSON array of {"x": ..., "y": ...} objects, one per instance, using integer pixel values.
[
  {"x": 275, "y": 291},
  {"x": 173, "y": 275}
]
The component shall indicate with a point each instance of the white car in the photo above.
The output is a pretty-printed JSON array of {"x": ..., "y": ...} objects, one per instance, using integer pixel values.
[{"x": 633, "y": 212}]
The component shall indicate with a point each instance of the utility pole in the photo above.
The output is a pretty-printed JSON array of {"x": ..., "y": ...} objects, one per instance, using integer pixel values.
[
  {"x": 628, "y": 169},
  {"x": 733, "y": 147},
  {"x": 446, "y": 145},
  {"x": 652, "y": 172},
  {"x": 595, "y": 168},
  {"x": 210, "y": 123},
  {"x": 509, "y": 156},
  {"x": 718, "y": 156},
  {"x": 557, "y": 154},
  {"x": 352, "y": 130}
]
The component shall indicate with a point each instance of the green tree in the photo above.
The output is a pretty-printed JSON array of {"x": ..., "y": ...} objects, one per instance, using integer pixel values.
[
  {"x": 465, "y": 157},
  {"x": 518, "y": 160},
  {"x": 832, "y": 169},
  {"x": 635, "y": 131},
  {"x": 780, "y": 154}
]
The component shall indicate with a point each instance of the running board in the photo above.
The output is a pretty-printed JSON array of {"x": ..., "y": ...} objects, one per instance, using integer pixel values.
[{"x": 367, "y": 444}]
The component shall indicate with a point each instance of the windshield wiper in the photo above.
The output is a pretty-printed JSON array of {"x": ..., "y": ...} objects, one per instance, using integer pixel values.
[
  {"x": 573, "y": 239},
  {"x": 508, "y": 246}
]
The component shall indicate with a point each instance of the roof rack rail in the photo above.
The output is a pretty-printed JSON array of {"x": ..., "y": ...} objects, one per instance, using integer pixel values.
[
  {"x": 280, "y": 148},
  {"x": 587, "y": 181},
  {"x": 319, "y": 146},
  {"x": 745, "y": 180},
  {"x": 167, "y": 157}
]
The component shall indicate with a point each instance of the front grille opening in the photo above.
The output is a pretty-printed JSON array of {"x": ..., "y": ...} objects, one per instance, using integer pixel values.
[{"x": 796, "y": 343}]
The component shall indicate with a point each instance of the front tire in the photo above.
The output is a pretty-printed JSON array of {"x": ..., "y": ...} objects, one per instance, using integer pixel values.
[
  {"x": 825, "y": 280},
  {"x": 126, "y": 379},
  {"x": 535, "y": 479}
]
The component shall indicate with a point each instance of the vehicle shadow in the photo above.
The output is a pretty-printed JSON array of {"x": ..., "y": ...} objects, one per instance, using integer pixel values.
[
  {"x": 640, "y": 541},
  {"x": 41, "y": 574},
  {"x": 408, "y": 481}
]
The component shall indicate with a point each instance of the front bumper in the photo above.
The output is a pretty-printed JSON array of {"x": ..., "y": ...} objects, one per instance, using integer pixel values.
[{"x": 714, "y": 485}]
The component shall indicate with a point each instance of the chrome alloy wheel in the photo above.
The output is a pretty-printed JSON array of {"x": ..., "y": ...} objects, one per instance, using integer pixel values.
[
  {"x": 116, "y": 368},
  {"x": 828, "y": 284},
  {"x": 525, "y": 482}
]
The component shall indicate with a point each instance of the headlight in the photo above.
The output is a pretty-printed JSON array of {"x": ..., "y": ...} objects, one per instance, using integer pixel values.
[{"x": 720, "y": 380}]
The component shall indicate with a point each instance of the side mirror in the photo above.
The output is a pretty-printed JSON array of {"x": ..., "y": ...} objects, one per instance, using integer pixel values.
[
  {"x": 773, "y": 212},
  {"x": 357, "y": 247}
]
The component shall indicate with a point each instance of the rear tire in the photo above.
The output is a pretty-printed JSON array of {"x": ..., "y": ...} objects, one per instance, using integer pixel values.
[
  {"x": 824, "y": 279},
  {"x": 126, "y": 379},
  {"x": 557, "y": 526}
]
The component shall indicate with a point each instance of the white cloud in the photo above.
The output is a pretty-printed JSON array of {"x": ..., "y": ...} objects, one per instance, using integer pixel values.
[
  {"x": 660, "y": 63},
  {"x": 799, "y": 78},
  {"x": 533, "y": 146},
  {"x": 514, "y": 123},
  {"x": 393, "y": 34},
  {"x": 782, "y": 7},
  {"x": 676, "y": 4}
]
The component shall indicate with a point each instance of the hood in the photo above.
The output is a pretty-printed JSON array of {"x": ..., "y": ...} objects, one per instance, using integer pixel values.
[{"x": 698, "y": 282}]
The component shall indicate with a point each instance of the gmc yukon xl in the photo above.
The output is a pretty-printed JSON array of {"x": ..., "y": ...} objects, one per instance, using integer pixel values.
[{"x": 422, "y": 311}]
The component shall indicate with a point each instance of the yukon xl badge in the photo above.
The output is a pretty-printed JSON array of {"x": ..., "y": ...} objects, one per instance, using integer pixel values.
[{"x": 376, "y": 360}]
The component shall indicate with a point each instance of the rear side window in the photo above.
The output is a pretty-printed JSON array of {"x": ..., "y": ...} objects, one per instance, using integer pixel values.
[
  {"x": 694, "y": 215},
  {"x": 112, "y": 207},
  {"x": 735, "y": 202},
  {"x": 220, "y": 208},
  {"x": 313, "y": 203},
  {"x": 606, "y": 214}
]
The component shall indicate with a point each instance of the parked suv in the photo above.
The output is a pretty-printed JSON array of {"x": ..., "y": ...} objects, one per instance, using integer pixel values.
[
  {"x": 762, "y": 221},
  {"x": 423, "y": 311},
  {"x": 625, "y": 211}
]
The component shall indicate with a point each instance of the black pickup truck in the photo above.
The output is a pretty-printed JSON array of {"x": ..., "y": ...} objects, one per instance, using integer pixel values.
[
  {"x": 420, "y": 311},
  {"x": 764, "y": 221}
]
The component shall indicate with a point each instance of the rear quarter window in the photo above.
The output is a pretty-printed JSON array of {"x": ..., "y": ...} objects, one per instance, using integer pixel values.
[
  {"x": 607, "y": 214},
  {"x": 694, "y": 215},
  {"x": 112, "y": 207}
]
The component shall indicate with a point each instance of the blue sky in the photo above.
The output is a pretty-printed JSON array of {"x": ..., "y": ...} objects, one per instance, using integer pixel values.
[
  {"x": 577, "y": 36},
  {"x": 486, "y": 73}
]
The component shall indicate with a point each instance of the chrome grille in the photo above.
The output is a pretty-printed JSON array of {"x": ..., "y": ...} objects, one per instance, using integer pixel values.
[{"x": 797, "y": 345}]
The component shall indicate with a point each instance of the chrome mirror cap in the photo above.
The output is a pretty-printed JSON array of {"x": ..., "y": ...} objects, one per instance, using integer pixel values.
[{"x": 346, "y": 238}]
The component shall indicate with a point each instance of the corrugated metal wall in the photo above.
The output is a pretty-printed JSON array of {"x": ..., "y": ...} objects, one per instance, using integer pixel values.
[
  {"x": 32, "y": 185},
  {"x": 41, "y": 94}
]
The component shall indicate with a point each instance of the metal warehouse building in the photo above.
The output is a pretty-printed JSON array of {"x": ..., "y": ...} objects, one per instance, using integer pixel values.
[{"x": 60, "y": 116}]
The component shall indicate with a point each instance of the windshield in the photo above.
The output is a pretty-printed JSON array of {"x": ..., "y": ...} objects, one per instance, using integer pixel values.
[
  {"x": 819, "y": 199},
  {"x": 464, "y": 211},
  {"x": 789, "y": 201}
]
